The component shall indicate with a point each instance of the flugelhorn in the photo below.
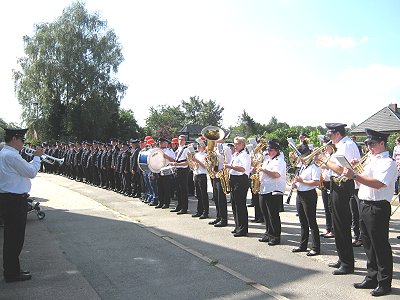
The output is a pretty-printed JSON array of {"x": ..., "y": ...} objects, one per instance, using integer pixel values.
[{"x": 45, "y": 157}]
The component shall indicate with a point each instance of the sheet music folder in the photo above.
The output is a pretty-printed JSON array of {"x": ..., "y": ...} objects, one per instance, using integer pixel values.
[{"x": 344, "y": 162}]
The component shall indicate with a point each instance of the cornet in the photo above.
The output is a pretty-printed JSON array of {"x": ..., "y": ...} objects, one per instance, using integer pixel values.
[{"x": 45, "y": 157}]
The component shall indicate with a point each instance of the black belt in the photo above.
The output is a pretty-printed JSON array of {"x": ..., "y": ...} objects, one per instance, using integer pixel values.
[
  {"x": 376, "y": 202},
  {"x": 24, "y": 195}
]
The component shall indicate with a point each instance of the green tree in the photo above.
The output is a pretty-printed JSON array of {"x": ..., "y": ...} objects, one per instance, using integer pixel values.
[
  {"x": 164, "y": 121},
  {"x": 127, "y": 126},
  {"x": 69, "y": 73},
  {"x": 200, "y": 112}
]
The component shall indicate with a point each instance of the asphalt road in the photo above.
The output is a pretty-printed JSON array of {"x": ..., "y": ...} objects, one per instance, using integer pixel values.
[{"x": 96, "y": 244}]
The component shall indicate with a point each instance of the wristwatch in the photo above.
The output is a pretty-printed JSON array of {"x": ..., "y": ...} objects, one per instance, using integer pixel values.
[{"x": 354, "y": 176}]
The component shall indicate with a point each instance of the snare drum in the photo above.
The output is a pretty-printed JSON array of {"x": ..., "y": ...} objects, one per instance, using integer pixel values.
[
  {"x": 151, "y": 160},
  {"x": 168, "y": 170}
]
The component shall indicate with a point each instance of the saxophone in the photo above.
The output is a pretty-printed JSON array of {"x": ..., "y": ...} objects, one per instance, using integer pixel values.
[
  {"x": 257, "y": 159},
  {"x": 191, "y": 163},
  {"x": 223, "y": 176}
]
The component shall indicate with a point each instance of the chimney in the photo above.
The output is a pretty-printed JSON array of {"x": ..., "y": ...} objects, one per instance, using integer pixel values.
[{"x": 393, "y": 106}]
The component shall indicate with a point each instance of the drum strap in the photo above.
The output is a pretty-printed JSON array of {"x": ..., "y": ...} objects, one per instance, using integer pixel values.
[{"x": 180, "y": 153}]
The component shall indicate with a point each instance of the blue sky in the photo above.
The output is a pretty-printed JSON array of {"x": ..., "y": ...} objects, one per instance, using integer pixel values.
[{"x": 304, "y": 62}]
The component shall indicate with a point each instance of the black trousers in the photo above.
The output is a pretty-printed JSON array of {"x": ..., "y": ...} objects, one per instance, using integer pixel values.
[
  {"x": 219, "y": 197},
  {"x": 164, "y": 189},
  {"x": 200, "y": 184},
  {"x": 239, "y": 186},
  {"x": 374, "y": 224},
  {"x": 270, "y": 207},
  {"x": 136, "y": 184},
  {"x": 341, "y": 220},
  {"x": 355, "y": 213},
  {"x": 325, "y": 193},
  {"x": 14, "y": 210},
  {"x": 182, "y": 188},
  {"x": 255, "y": 200},
  {"x": 306, "y": 204}
]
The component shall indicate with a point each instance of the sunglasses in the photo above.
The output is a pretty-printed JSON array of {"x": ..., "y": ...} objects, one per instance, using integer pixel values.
[{"x": 371, "y": 143}]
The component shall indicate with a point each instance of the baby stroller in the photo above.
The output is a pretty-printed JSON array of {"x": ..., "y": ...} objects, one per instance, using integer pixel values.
[{"x": 33, "y": 205}]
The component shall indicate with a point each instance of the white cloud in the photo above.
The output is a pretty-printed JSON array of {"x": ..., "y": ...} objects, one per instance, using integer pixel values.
[{"x": 328, "y": 41}]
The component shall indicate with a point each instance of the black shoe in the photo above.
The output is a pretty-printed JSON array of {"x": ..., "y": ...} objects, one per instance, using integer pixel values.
[
  {"x": 175, "y": 210},
  {"x": 24, "y": 272},
  {"x": 203, "y": 216},
  {"x": 153, "y": 204},
  {"x": 196, "y": 215},
  {"x": 214, "y": 222},
  {"x": 221, "y": 223},
  {"x": 335, "y": 265},
  {"x": 273, "y": 243},
  {"x": 298, "y": 249},
  {"x": 165, "y": 206},
  {"x": 182, "y": 212},
  {"x": 19, "y": 277},
  {"x": 159, "y": 206},
  {"x": 257, "y": 221},
  {"x": 343, "y": 271},
  {"x": 312, "y": 253},
  {"x": 264, "y": 239},
  {"x": 233, "y": 231},
  {"x": 381, "y": 290},
  {"x": 239, "y": 234},
  {"x": 366, "y": 284}
]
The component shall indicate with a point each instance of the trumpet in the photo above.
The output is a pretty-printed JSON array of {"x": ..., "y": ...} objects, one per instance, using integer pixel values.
[
  {"x": 45, "y": 157},
  {"x": 358, "y": 168}
]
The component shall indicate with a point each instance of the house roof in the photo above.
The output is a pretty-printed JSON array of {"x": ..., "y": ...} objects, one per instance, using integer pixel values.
[
  {"x": 192, "y": 129},
  {"x": 386, "y": 120}
]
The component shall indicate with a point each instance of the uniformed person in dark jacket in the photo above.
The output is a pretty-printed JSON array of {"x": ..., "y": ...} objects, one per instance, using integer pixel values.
[{"x": 135, "y": 171}]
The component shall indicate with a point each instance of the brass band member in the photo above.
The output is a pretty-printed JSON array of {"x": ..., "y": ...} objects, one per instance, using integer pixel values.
[
  {"x": 326, "y": 190},
  {"x": 306, "y": 204},
  {"x": 200, "y": 181},
  {"x": 340, "y": 197},
  {"x": 164, "y": 182},
  {"x": 239, "y": 170},
  {"x": 221, "y": 204},
  {"x": 182, "y": 171},
  {"x": 15, "y": 174},
  {"x": 377, "y": 183},
  {"x": 272, "y": 186}
]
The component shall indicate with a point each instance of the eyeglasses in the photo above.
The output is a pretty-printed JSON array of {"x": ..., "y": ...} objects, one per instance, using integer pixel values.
[{"x": 21, "y": 138}]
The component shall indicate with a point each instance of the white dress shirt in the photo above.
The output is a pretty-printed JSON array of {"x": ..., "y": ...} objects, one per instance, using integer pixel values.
[
  {"x": 15, "y": 172},
  {"x": 241, "y": 159},
  {"x": 270, "y": 184},
  {"x": 383, "y": 168},
  {"x": 348, "y": 148}
]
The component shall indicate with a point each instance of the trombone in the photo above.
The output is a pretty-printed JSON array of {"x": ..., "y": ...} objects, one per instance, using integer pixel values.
[
  {"x": 398, "y": 205},
  {"x": 45, "y": 157}
]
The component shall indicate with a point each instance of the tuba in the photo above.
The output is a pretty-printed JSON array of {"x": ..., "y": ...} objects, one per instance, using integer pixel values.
[{"x": 212, "y": 134}]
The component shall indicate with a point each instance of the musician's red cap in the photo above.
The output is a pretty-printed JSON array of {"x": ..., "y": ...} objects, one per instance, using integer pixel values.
[
  {"x": 175, "y": 140},
  {"x": 150, "y": 142},
  {"x": 148, "y": 138}
]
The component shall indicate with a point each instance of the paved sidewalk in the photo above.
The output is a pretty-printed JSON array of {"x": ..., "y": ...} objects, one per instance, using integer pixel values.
[{"x": 96, "y": 244}]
